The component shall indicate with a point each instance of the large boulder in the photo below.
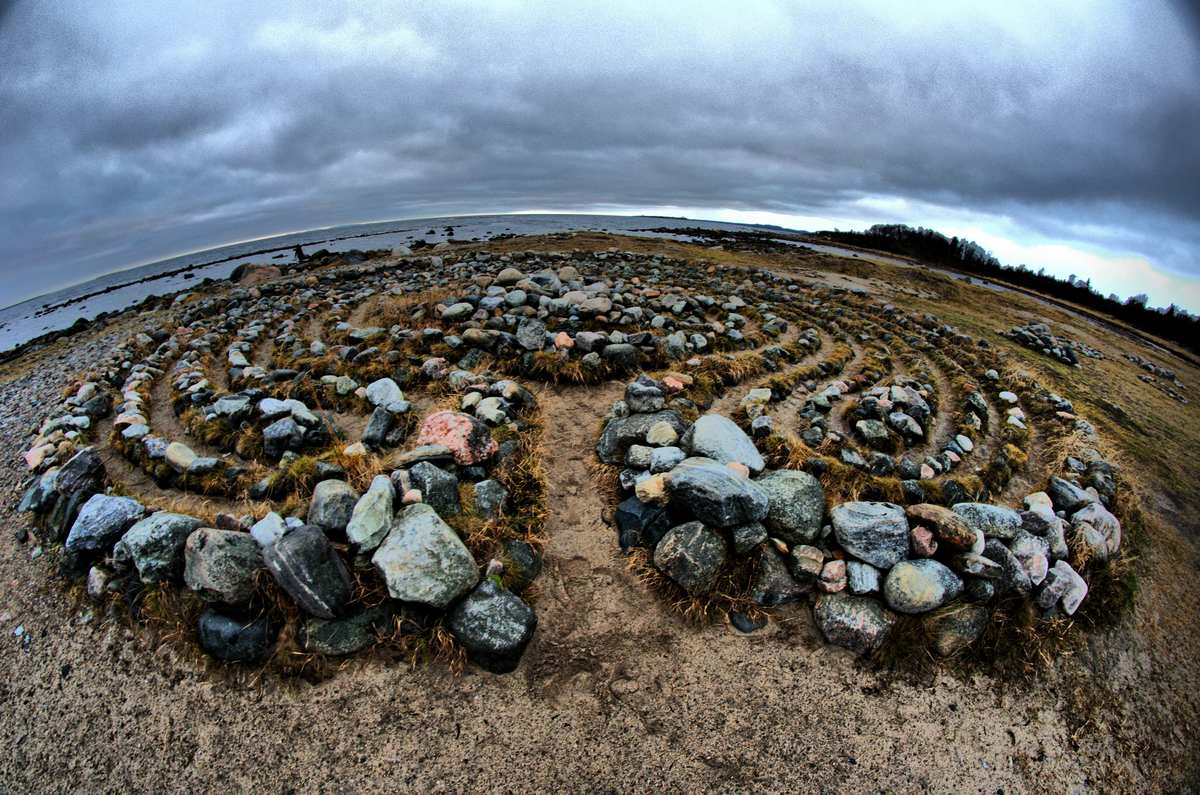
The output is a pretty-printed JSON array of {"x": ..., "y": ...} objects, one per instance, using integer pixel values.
[
  {"x": 692, "y": 555},
  {"x": 719, "y": 438},
  {"x": 307, "y": 566},
  {"x": 715, "y": 494},
  {"x": 467, "y": 438},
  {"x": 423, "y": 560},
  {"x": 332, "y": 505},
  {"x": 795, "y": 505},
  {"x": 918, "y": 586},
  {"x": 372, "y": 515},
  {"x": 1013, "y": 576},
  {"x": 621, "y": 432},
  {"x": 220, "y": 565},
  {"x": 874, "y": 532},
  {"x": 494, "y": 626},
  {"x": 102, "y": 520},
  {"x": 1067, "y": 496},
  {"x": 858, "y": 623},
  {"x": 994, "y": 521},
  {"x": 155, "y": 545}
]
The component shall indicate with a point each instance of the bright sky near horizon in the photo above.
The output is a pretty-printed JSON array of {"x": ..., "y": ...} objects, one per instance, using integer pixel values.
[{"x": 1062, "y": 135}]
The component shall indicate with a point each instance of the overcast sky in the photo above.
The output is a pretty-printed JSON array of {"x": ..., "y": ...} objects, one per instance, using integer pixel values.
[{"x": 1063, "y": 134}]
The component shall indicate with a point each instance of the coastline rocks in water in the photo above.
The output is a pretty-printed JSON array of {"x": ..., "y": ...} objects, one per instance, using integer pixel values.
[
  {"x": 307, "y": 566},
  {"x": 715, "y": 494},
  {"x": 332, "y": 505},
  {"x": 423, "y": 560},
  {"x": 994, "y": 521},
  {"x": 220, "y": 565},
  {"x": 467, "y": 438},
  {"x": 621, "y": 432},
  {"x": 154, "y": 545},
  {"x": 719, "y": 438},
  {"x": 874, "y": 532},
  {"x": 858, "y": 623},
  {"x": 692, "y": 555},
  {"x": 234, "y": 641},
  {"x": 494, "y": 626},
  {"x": 796, "y": 505},
  {"x": 102, "y": 520},
  {"x": 918, "y": 586}
]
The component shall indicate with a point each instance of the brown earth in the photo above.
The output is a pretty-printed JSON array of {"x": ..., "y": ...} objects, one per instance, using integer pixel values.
[{"x": 616, "y": 692}]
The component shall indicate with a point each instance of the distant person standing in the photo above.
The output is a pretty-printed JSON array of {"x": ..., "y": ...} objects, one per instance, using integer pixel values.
[{"x": 299, "y": 253}]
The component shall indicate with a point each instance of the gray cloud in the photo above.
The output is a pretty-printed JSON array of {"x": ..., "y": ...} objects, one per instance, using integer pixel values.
[{"x": 131, "y": 134}]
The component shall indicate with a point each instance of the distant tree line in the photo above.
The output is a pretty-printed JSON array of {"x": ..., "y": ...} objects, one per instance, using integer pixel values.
[{"x": 1171, "y": 322}]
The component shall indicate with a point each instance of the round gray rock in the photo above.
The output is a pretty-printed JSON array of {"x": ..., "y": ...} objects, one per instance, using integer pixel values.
[
  {"x": 220, "y": 565},
  {"x": 918, "y": 586}
]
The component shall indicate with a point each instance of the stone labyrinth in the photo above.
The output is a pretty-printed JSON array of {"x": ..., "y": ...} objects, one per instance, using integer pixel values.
[{"x": 346, "y": 457}]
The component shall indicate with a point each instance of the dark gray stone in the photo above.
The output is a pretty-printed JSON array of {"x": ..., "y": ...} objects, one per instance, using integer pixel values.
[
  {"x": 621, "y": 432},
  {"x": 692, "y": 555},
  {"x": 220, "y": 565},
  {"x": 332, "y": 505},
  {"x": 994, "y": 521},
  {"x": 858, "y": 623},
  {"x": 874, "y": 532},
  {"x": 102, "y": 520},
  {"x": 439, "y": 489},
  {"x": 155, "y": 545},
  {"x": 494, "y": 626},
  {"x": 310, "y": 570},
  {"x": 234, "y": 641},
  {"x": 715, "y": 494}
]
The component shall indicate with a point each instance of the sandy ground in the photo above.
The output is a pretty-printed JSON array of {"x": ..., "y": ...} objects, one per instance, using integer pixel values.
[{"x": 615, "y": 693}]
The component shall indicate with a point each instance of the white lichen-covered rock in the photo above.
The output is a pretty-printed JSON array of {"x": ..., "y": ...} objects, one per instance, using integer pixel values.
[{"x": 423, "y": 560}]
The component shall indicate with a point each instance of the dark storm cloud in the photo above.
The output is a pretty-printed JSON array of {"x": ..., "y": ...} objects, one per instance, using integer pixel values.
[{"x": 131, "y": 132}]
